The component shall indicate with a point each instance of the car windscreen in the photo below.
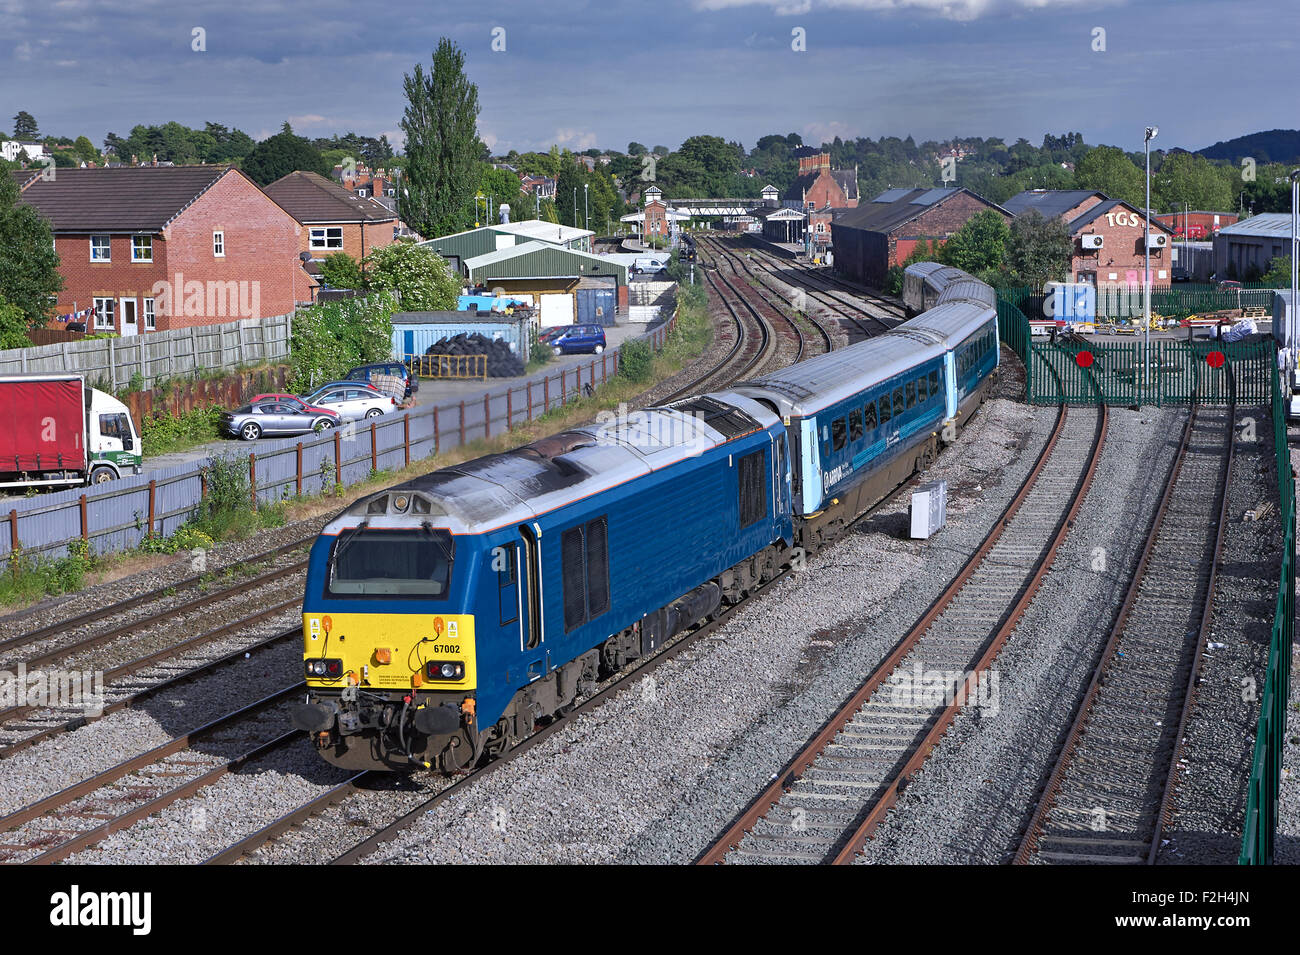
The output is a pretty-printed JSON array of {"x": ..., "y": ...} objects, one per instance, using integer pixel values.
[{"x": 411, "y": 564}]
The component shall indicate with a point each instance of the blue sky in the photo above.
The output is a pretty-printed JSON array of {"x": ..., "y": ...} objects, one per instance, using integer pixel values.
[{"x": 587, "y": 74}]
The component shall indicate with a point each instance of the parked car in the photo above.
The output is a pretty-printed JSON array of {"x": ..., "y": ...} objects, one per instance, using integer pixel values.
[
  {"x": 259, "y": 418},
  {"x": 579, "y": 338},
  {"x": 1228, "y": 285},
  {"x": 294, "y": 401},
  {"x": 546, "y": 334},
  {"x": 1180, "y": 274},
  {"x": 352, "y": 400},
  {"x": 396, "y": 368}
]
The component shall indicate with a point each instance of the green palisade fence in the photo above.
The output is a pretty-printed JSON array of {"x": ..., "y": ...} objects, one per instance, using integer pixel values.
[{"x": 1266, "y": 764}]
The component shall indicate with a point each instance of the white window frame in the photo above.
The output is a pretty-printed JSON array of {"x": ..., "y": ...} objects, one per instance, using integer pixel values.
[
  {"x": 323, "y": 243},
  {"x": 219, "y": 244},
  {"x": 140, "y": 258},
  {"x": 108, "y": 248},
  {"x": 150, "y": 319},
  {"x": 105, "y": 306}
]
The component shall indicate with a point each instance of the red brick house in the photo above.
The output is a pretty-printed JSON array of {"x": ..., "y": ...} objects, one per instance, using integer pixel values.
[
  {"x": 818, "y": 186},
  {"x": 333, "y": 218},
  {"x": 163, "y": 247},
  {"x": 870, "y": 239}
]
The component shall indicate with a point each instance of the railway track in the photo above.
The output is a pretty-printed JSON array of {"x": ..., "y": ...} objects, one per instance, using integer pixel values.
[
  {"x": 846, "y": 298},
  {"x": 832, "y": 796},
  {"x": 1109, "y": 793},
  {"x": 84, "y": 814},
  {"x": 766, "y": 298}
]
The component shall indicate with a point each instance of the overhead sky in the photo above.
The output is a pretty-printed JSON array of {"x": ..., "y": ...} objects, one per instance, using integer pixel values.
[{"x": 584, "y": 74}]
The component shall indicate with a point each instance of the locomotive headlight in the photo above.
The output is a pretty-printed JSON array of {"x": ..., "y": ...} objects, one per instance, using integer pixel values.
[{"x": 445, "y": 670}]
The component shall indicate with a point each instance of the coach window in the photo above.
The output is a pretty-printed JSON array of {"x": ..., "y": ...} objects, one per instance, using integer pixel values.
[
  {"x": 753, "y": 485},
  {"x": 855, "y": 425},
  {"x": 911, "y": 394},
  {"x": 898, "y": 402},
  {"x": 934, "y": 382},
  {"x": 871, "y": 416},
  {"x": 885, "y": 413},
  {"x": 837, "y": 434}
]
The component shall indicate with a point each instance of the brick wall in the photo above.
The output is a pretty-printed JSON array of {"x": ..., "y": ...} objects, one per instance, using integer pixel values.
[
  {"x": 1121, "y": 257},
  {"x": 259, "y": 275},
  {"x": 358, "y": 241}
]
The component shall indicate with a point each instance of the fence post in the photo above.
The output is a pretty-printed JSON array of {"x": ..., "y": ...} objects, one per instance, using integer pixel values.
[
  {"x": 203, "y": 485},
  {"x": 604, "y": 372},
  {"x": 374, "y": 449},
  {"x": 462, "y": 423},
  {"x": 338, "y": 457},
  {"x": 14, "y": 546},
  {"x": 85, "y": 525},
  {"x": 252, "y": 477},
  {"x": 298, "y": 471},
  {"x": 153, "y": 488},
  {"x": 487, "y": 416},
  {"x": 564, "y": 387},
  {"x": 435, "y": 430},
  {"x": 530, "y": 401},
  {"x": 406, "y": 439},
  {"x": 546, "y": 392},
  {"x": 510, "y": 408},
  {"x": 593, "y": 374}
]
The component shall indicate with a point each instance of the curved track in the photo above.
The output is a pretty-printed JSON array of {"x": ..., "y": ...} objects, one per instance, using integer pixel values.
[
  {"x": 835, "y": 792},
  {"x": 1109, "y": 793}
]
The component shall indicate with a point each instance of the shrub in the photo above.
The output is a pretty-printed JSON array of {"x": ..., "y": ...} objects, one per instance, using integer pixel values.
[{"x": 635, "y": 359}]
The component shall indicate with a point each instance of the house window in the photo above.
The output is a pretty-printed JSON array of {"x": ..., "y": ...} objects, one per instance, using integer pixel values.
[
  {"x": 219, "y": 244},
  {"x": 150, "y": 323},
  {"x": 327, "y": 238},
  {"x": 141, "y": 248},
  {"x": 99, "y": 249},
  {"x": 104, "y": 314}
]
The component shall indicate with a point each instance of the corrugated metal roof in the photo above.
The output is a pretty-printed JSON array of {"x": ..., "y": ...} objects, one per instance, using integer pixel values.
[
  {"x": 1271, "y": 225},
  {"x": 877, "y": 216},
  {"x": 544, "y": 231},
  {"x": 892, "y": 195},
  {"x": 541, "y": 260},
  {"x": 1051, "y": 203}
]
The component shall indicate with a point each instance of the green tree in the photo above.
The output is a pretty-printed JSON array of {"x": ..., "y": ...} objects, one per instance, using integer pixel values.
[
  {"x": 418, "y": 274},
  {"x": 636, "y": 149},
  {"x": 1279, "y": 272},
  {"x": 1111, "y": 171},
  {"x": 502, "y": 185},
  {"x": 442, "y": 144},
  {"x": 1185, "y": 180},
  {"x": 25, "y": 125},
  {"x": 29, "y": 267},
  {"x": 980, "y": 244},
  {"x": 85, "y": 150},
  {"x": 1039, "y": 249},
  {"x": 340, "y": 270},
  {"x": 280, "y": 155},
  {"x": 13, "y": 327}
]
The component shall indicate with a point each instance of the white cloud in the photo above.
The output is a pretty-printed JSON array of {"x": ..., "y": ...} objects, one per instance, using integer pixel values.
[{"x": 575, "y": 139}]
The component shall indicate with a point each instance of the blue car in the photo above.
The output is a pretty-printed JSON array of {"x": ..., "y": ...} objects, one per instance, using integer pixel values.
[{"x": 579, "y": 339}]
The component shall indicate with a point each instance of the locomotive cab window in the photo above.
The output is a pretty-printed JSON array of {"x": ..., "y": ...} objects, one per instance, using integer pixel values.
[
  {"x": 837, "y": 434},
  {"x": 504, "y": 559},
  {"x": 753, "y": 484},
  {"x": 401, "y": 564}
]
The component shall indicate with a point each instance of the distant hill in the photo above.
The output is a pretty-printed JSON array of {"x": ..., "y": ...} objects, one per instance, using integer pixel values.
[{"x": 1276, "y": 145}]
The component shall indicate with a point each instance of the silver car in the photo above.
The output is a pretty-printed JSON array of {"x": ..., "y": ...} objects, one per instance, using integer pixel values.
[
  {"x": 273, "y": 418},
  {"x": 351, "y": 400}
]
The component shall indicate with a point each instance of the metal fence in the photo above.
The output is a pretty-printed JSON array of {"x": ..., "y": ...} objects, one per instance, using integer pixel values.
[
  {"x": 1260, "y": 829},
  {"x": 446, "y": 366},
  {"x": 111, "y": 362},
  {"x": 117, "y": 516}
]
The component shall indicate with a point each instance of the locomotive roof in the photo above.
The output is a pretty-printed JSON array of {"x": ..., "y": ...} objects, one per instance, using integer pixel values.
[{"x": 518, "y": 486}]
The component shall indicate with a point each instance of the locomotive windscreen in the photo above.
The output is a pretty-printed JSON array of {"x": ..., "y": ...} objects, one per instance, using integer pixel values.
[{"x": 391, "y": 563}]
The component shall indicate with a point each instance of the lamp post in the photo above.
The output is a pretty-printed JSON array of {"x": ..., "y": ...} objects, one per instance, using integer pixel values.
[
  {"x": 1291, "y": 317},
  {"x": 1151, "y": 132},
  {"x": 586, "y": 210},
  {"x": 477, "y": 197}
]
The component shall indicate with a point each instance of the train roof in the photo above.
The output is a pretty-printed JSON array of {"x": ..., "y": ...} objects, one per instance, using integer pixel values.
[
  {"x": 827, "y": 379},
  {"x": 969, "y": 289},
  {"x": 518, "y": 486},
  {"x": 954, "y": 322}
]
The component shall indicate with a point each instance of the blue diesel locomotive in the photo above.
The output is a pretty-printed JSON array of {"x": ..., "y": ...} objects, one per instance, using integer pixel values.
[{"x": 446, "y": 616}]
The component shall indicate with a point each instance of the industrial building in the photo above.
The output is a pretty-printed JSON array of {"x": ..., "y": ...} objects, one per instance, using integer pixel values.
[
  {"x": 565, "y": 285},
  {"x": 1245, "y": 250},
  {"x": 881, "y": 233},
  {"x": 460, "y": 246}
]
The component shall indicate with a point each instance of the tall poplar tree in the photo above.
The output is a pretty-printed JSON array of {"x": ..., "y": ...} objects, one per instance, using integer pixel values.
[{"x": 442, "y": 145}]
